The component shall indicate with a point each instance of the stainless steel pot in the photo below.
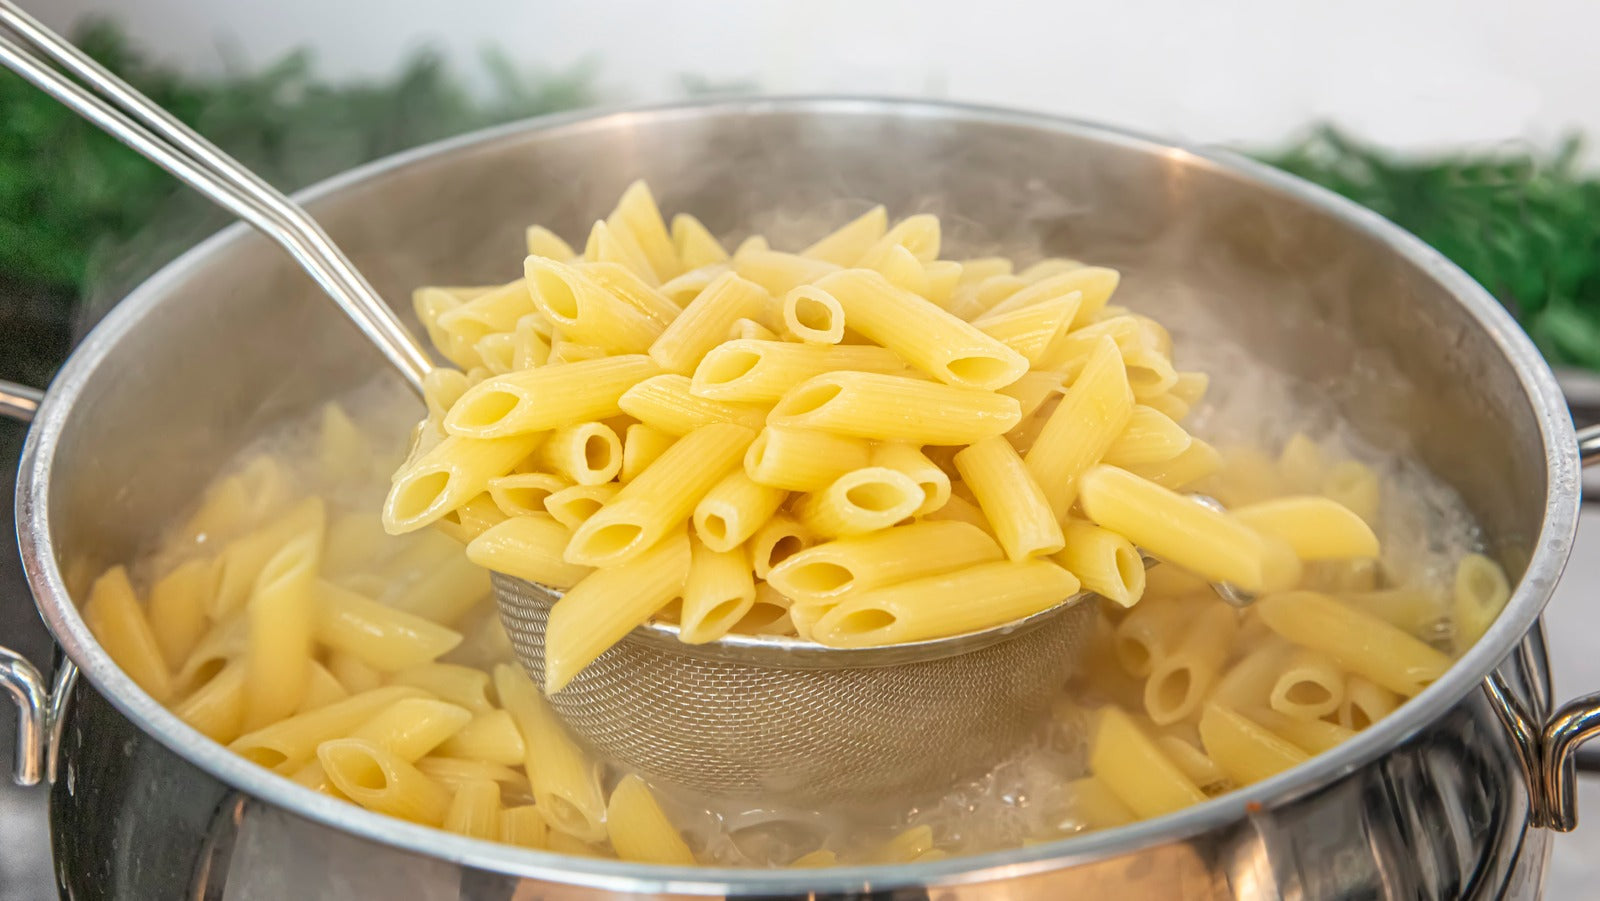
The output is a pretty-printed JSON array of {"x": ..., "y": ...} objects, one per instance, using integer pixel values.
[{"x": 1441, "y": 800}]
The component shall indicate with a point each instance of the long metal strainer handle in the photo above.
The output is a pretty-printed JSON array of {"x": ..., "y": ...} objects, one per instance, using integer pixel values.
[{"x": 138, "y": 122}]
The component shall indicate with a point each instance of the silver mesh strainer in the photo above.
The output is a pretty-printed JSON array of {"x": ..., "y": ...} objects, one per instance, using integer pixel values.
[{"x": 783, "y": 719}]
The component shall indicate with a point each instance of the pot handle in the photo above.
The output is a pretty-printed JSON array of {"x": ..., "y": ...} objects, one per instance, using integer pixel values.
[
  {"x": 1549, "y": 751},
  {"x": 39, "y": 705}
]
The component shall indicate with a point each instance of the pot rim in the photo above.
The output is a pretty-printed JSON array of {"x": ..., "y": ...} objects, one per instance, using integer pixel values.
[{"x": 1530, "y": 595}]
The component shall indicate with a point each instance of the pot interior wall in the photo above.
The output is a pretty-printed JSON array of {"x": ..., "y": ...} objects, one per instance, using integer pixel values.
[{"x": 235, "y": 338}]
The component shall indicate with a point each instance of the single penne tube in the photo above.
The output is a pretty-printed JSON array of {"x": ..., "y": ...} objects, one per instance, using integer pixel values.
[
  {"x": 378, "y": 635},
  {"x": 846, "y": 244},
  {"x": 827, "y": 572},
  {"x": 221, "y": 644},
  {"x": 959, "y": 509},
  {"x": 637, "y": 216},
  {"x": 1311, "y": 736},
  {"x": 1310, "y": 687},
  {"x": 1173, "y": 528},
  {"x": 1010, "y": 499},
  {"x": 429, "y": 303},
  {"x": 780, "y": 538},
  {"x": 410, "y": 728},
  {"x": 114, "y": 615},
  {"x": 940, "y": 277},
  {"x": 915, "y": 465},
  {"x": 178, "y": 604},
  {"x": 1201, "y": 770},
  {"x": 686, "y": 287},
  {"x": 704, "y": 323},
  {"x": 1150, "y": 373},
  {"x": 453, "y": 773},
  {"x": 498, "y": 352},
  {"x": 610, "y": 602},
  {"x": 1033, "y": 389},
  {"x": 452, "y": 473},
  {"x": 464, "y": 686},
  {"x": 1365, "y": 702},
  {"x": 662, "y": 498},
  {"x": 474, "y": 811},
  {"x": 797, "y": 459},
  {"x": 860, "y": 501},
  {"x": 941, "y": 605},
  {"x": 322, "y": 689},
  {"x": 491, "y": 736},
  {"x": 895, "y": 408},
  {"x": 638, "y": 828},
  {"x": 573, "y": 506},
  {"x": 1091, "y": 415},
  {"x": 281, "y": 613},
  {"x": 1247, "y": 752},
  {"x": 1361, "y": 643},
  {"x": 1182, "y": 677},
  {"x": 1150, "y": 437},
  {"x": 973, "y": 300},
  {"x": 588, "y": 453},
  {"x": 718, "y": 593},
  {"x": 495, "y": 310},
  {"x": 1191, "y": 465},
  {"x": 1070, "y": 352},
  {"x": 1093, "y": 285},
  {"x": 668, "y": 404},
  {"x": 536, "y": 400},
  {"x": 523, "y": 493},
  {"x": 813, "y": 315},
  {"x": 286, "y": 745},
  {"x": 543, "y": 242},
  {"x": 382, "y": 782},
  {"x": 924, "y": 335},
  {"x": 1105, "y": 562},
  {"x": 565, "y": 783},
  {"x": 607, "y": 245},
  {"x": 1479, "y": 594},
  {"x": 763, "y": 371},
  {"x": 1354, "y": 486},
  {"x": 633, "y": 290},
  {"x": 976, "y": 269},
  {"x": 242, "y": 558},
  {"x": 1030, "y": 330},
  {"x": 1317, "y": 528},
  {"x": 1097, "y": 805},
  {"x": 1150, "y": 632},
  {"x": 564, "y": 351},
  {"x": 216, "y": 709},
  {"x": 749, "y": 330},
  {"x": 1047, "y": 267},
  {"x": 778, "y": 272},
  {"x": 695, "y": 244},
  {"x": 1248, "y": 682},
  {"x": 1167, "y": 405},
  {"x": 356, "y": 676},
  {"x": 447, "y": 591},
  {"x": 641, "y": 445},
  {"x": 903, "y": 270},
  {"x": 523, "y": 826},
  {"x": 919, "y": 234},
  {"x": 731, "y": 512},
  {"x": 528, "y": 547},
  {"x": 1133, "y": 767}
]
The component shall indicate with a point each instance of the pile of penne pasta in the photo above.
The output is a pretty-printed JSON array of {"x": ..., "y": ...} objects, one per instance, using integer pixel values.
[{"x": 857, "y": 444}]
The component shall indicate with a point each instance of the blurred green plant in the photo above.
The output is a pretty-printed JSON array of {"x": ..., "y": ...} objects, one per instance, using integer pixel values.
[
  {"x": 1525, "y": 224},
  {"x": 66, "y": 189}
]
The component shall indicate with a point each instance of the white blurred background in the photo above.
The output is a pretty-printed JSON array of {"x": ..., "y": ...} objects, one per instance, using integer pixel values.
[{"x": 1414, "y": 74}]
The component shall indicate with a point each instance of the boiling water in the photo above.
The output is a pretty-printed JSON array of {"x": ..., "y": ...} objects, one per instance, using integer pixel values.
[{"x": 1024, "y": 798}]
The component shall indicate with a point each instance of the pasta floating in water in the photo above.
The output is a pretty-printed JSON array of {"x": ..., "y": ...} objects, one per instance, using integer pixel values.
[{"x": 855, "y": 444}]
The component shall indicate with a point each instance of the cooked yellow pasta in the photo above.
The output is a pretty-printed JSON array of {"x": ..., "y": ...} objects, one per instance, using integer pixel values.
[
  {"x": 845, "y": 245},
  {"x": 1245, "y": 751},
  {"x": 528, "y": 547},
  {"x": 1172, "y": 527},
  {"x": 695, "y": 244},
  {"x": 934, "y": 606},
  {"x": 1077, "y": 434},
  {"x": 491, "y": 736},
  {"x": 704, "y": 323},
  {"x": 1310, "y": 687},
  {"x": 1480, "y": 593},
  {"x": 1150, "y": 437},
  {"x": 113, "y": 613},
  {"x": 776, "y": 541},
  {"x": 798, "y": 459},
  {"x": 813, "y": 315},
  {"x": 895, "y": 408},
  {"x": 523, "y": 826},
  {"x": 565, "y": 785},
  {"x": 762, "y": 371},
  {"x": 463, "y": 686},
  {"x": 718, "y": 592},
  {"x": 282, "y": 613},
  {"x": 1011, "y": 500},
  {"x": 1360, "y": 642},
  {"x": 1030, "y": 330},
  {"x": 777, "y": 272},
  {"x": 924, "y": 335},
  {"x": 915, "y": 465},
  {"x": 835, "y": 569},
  {"x": 668, "y": 404},
  {"x": 381, "y": 636},
  {"x": 1315, "y": 527},
  {"x": 638, "y": 828},
  {"x": 1132, "y": 766},
  {"x": 860, "y": 501},
  {"x": 588, "y": 453},
  {"x": 1365, "y": 703},
  {"x": 524, "y": 493},
  {"x": 1188, "y": 662},
  {"x": 380, "y": 780},
  {"x": 731, "y": 512},
  {"x": 289, "y": 743},
  {"x": 573, "y": 506},
  {"x": 1105, "y": 562}
]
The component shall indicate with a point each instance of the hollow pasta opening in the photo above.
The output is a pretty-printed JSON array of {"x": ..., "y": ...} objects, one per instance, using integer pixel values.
[
  {"x": 1130, "y": 567},
  {"x": 874, "y": 497},
  {"x": 613, "y": 539},
  {"x": 757, "y": 454},
  {"x": 807, "y": 399},
  {"x": 728, "y": 366},
  {"x": 483, "y": 410},
  {"x": 1170, "y": 690},
  {"x": 524, "y": 498},
  {"x": 813, "y": 314},
  {"x": 760, "y": 616},
  {"x": 1134, "y": 655},
  {"x": 417, "y": 496},
  {"x": 557, "y": 295},
  {"x": 564, "y": 815},
  {"x": 864, "y": 621},
  {"x": 820, "y": 577},
  {"x": 1306, "y": 693},
  {"x": 357, "y": 769},
  {"x": 271, "y": 758},
  {"x": 596, "y": 453},
  {"x": 783, "y": 549},
  {"x": 979, "y": 370},
  {"x": 713, "y": 527},
  {"x": 720, "y": 618}
]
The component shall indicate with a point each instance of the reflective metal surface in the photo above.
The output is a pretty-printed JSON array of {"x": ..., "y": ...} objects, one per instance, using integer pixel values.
[
  {"x": 157, "y": 135},
  {"x": 19, "y": 401},
  {"x": 1427, "y": 803}
]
